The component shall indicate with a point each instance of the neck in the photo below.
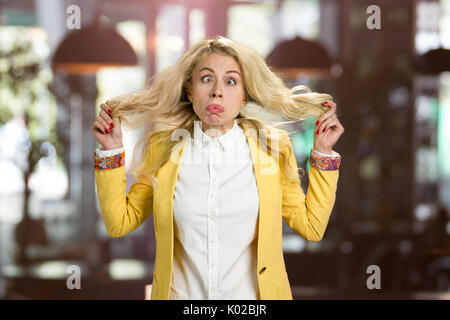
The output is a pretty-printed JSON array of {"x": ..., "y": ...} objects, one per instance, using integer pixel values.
[{"x": 215, "y": 131}]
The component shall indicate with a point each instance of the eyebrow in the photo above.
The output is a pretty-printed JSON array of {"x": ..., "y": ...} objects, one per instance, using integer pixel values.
[{"x": 229, "y": 71}]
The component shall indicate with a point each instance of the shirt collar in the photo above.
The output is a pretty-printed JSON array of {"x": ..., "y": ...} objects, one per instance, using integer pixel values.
[{"x": 226, "y": 141}]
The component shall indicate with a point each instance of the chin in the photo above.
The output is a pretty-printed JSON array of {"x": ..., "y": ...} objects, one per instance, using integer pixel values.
[{"x": 214, "y": 119}]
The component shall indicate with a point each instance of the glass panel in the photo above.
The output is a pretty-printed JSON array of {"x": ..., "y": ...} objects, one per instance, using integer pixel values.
[
  {"x": 196, "y": 26},
  {"x": 170, "y": 29},
  {"x": 426, "y": 165},
  {"x": 253, "y": 24},
  {"x": 135, "y": 33},
  {"x": 299, "y": 18},
  {"x": 444, "y": 127},
  {"x": 427, "y": 24},
  {"x": 445, "y": 23}
]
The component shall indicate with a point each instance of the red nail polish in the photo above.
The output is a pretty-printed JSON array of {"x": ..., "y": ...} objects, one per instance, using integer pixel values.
[
  {"x": 325, "y": 102},
  {"x": 111, "y": 125},
  {"x": 106, "y": 131},
  {"x": 323, "y": 129},
  {"x": 317, "y": 122},
  {"x": 110, "y": 129},
  {"x": 109, "y": 110},
  {"x": 317, "y": 132}
]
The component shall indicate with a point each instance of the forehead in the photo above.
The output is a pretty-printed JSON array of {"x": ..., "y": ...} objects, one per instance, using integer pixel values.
[{"x": 218, "y": 63}]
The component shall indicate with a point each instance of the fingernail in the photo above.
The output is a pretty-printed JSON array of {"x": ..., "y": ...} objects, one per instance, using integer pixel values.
[
  {"x": 110, "y": 129},
  {"x": 109, "y": 110},
  {"x": 325, "y": 102},
  {"x": 323, "y": 129},
  {"x": 111, "y": 125},
  {"x": 317, "y": 122},
  {"x": 106, "y": 131},
  {"x": 317, "y": 132}
]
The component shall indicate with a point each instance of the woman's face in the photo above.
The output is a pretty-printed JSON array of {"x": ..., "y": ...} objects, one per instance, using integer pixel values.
[{"x": 217, "y": 91}]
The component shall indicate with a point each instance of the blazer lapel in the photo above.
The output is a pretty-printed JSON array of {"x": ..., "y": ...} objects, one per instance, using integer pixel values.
[
  {"x": 167, "y": 175},
  {"x": 263, "y": 166}
]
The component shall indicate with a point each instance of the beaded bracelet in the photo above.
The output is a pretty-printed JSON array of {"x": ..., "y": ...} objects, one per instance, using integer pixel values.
[
  {"x": 111, "y": 162},
  {"x": 325, "y": 163}
]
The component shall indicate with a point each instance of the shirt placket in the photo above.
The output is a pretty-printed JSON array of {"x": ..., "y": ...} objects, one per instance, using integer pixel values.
[{"x": 212, "y": 227}]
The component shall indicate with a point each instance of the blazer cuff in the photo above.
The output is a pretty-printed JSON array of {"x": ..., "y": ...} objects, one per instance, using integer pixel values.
[
  {"x": 109, "y": 159},
  {"x": 327, "y": 162}
]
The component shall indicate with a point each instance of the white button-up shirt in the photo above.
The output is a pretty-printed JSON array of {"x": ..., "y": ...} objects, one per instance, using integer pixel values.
[{"x": 215, "y": 219}]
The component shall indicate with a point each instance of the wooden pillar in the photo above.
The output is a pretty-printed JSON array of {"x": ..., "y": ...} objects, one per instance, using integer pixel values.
[
  {"x": 216, "y": 18},
  {"x": 152, "y": 13}
]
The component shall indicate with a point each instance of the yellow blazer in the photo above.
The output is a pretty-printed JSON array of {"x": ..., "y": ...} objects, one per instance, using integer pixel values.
[{"x": 308, "y": 216}]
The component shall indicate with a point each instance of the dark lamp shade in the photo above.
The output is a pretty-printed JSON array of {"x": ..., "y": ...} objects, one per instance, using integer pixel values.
[
  {"x": 433, "y": 62},
  {"x": 86, "y": 50},
  {"x": 296, "y": 56}
]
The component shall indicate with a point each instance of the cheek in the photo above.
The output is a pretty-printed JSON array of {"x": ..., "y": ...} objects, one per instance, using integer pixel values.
[
  {"x": 239, "y": 97},
  {"x": 200, "y": 92}
]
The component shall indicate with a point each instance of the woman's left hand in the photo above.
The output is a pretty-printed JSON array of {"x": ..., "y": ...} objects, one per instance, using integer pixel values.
[{"x": 328, "y": 130}]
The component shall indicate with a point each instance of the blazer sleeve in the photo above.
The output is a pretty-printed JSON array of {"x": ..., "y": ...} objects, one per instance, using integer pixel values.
[
  {"x": 308, "y": 215},
  {"x": 122, "y": 213}
]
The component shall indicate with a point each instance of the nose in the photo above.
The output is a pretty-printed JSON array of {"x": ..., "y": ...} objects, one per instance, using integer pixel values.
[{"x": 216, "y": 92}]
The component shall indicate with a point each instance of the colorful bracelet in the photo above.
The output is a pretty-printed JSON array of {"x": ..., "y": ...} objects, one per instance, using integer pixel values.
[
  {"x": 112, "y": 162},
  {"x": 325, "y": 163}
]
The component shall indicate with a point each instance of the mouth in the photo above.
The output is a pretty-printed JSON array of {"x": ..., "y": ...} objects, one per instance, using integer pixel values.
[{"x": 214, "y": 108}]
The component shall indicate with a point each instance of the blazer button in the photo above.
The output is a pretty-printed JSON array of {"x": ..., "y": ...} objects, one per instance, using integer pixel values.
[{"x": 262, "y": 270}]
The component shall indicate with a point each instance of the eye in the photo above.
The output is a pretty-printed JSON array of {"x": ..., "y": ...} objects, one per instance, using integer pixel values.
[
  {"x": 206, "y": 77},
  {"x": 233, "y": 82}
]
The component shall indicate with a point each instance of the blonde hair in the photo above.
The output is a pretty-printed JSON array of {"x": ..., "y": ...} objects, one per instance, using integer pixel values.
[{"x": 163, "y": 106}]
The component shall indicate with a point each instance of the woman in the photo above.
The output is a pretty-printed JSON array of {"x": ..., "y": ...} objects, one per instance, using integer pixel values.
[{"x": 217, "y": 178}]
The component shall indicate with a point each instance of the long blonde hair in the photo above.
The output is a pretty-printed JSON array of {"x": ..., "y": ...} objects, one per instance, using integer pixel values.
[{"x": 163, "y": 106}]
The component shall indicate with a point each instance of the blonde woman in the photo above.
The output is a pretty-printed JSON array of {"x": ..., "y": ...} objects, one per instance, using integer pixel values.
[{"x": 217, "y": 178}]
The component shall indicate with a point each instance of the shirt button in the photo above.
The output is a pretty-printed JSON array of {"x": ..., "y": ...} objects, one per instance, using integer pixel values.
[{"x": 262, "y": 270}]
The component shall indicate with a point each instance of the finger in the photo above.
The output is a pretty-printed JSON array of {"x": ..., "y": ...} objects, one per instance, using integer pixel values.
[
  {"x": 330, "y": 124},
  {"x": 97, "y": 128},
  {"x": 105, "y": 108},
  {"x": 105, "y": 116},
  {"x": 103, "y": 124},
  {"x": 101, "y": 127},
  {"x": 324, "y": 120},
  {"x": 339, "y": 128},
  {"x": 320, "y": 128},
  {"x": 331, "y": 111},
  {"x": 330, "y": 104},
  {"x": 328, "y": 116},
  {"x": 94, "y": 128}
]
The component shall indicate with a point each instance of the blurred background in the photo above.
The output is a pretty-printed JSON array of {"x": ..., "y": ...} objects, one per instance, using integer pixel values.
[{"x": 386, "y": 63}]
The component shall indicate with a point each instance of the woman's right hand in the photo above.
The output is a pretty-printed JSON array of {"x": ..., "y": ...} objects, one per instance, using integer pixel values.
[{"x": 107, "y": 132}]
